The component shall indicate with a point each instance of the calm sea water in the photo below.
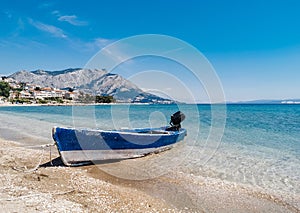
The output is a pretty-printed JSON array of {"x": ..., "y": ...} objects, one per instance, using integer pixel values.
[{"x": 260, "y": 144}]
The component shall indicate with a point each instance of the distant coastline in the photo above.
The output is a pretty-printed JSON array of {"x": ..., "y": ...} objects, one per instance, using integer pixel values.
[{"x": 272, "y": 101}]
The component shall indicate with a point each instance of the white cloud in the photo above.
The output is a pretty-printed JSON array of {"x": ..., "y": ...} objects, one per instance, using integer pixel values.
[
  {"x": 56, "y": 12},
  {"x": 72, "y": 19},
  {"x": 102, "y": 42},
  {"x": 54, "y": 31},
  {"x": 90, "y": 46}
]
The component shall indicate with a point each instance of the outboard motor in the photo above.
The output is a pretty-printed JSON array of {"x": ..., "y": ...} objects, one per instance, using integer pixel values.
[{"x": 176, "y": 119}]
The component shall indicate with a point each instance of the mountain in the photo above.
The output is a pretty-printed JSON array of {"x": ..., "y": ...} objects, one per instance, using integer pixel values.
[{"x": 91, "y": 81}]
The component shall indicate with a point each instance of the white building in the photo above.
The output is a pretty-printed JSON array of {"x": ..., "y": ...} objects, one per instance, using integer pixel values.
[
  {"x": 58, "y": 93},
  {"x": 25, "y": 94},
  {"x": 71, "y": 95},
  {"x": 42, "y": 94}
]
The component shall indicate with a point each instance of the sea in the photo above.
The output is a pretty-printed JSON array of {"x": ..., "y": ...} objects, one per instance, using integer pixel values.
[{"x": 254, "y": 145}]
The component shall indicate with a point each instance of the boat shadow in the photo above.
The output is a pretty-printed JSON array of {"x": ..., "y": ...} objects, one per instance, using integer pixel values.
[
  {"x": 58, "y": 162},
  {"x": 53, "y": 163}
]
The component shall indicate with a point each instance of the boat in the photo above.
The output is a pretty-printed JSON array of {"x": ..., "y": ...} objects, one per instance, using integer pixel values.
[{"x": 78, "y": 146}]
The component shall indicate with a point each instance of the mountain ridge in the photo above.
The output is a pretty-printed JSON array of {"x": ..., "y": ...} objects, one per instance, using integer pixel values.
[
  {"x": 90, "y": 81},
  {"x": 40, "y": 71}
]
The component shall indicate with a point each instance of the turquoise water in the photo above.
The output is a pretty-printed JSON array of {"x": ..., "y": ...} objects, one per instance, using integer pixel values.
[{"x": 260, "y": 146}]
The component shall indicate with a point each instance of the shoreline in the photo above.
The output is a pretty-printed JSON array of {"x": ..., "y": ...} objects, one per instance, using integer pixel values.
[
  {"x": 89, "y": 189},
  {"x": 71, "y": 104},
  {"x": 142, "y": 104}
]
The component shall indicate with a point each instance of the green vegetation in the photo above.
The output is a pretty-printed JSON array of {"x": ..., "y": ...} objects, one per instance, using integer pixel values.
[
  {"x": 39, "y": 101},
  {"x": 86, "y": 98},
  {"x": 4, "y": 89},
  {"x": 21, "y": 100},
  {"x": 54, "y": 99},
  {"x": 104, "y": 99}
]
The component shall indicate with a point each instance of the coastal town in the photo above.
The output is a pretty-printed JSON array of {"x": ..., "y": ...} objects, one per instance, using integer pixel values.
[{"x": 15, "y": 92}]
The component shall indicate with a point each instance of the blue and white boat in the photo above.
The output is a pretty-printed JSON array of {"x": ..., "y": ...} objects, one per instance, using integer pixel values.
[{"x": 79, "y": 146}]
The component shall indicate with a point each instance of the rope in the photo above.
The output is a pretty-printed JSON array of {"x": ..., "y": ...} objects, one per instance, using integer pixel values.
[
  {"x": 50, "y": 156},
  {"x": 41, "y": 145},
  {"x": 40, "y": 161}
]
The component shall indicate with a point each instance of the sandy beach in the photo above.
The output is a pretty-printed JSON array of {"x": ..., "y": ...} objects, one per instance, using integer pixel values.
[{"x": 31, "y": 182}]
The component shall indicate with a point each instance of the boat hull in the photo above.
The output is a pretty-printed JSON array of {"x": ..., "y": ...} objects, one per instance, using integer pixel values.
[{"x": 78, "y": 146}]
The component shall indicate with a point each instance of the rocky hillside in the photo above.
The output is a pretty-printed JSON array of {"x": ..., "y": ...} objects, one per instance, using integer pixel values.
[{"x": 92, "y": 81}]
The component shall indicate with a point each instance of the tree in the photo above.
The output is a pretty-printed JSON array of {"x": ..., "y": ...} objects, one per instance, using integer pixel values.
[
  {"x": 4, "y": 89},
  {"x": 104, "y": 99},
  {"x": 85, "y": 98}
]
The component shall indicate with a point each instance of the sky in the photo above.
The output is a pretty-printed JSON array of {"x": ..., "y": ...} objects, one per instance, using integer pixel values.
[{"x": 253, "y": 46}]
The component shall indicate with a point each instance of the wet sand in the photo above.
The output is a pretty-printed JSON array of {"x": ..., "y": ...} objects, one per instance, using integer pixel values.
[{"x": 33, "y": 182}]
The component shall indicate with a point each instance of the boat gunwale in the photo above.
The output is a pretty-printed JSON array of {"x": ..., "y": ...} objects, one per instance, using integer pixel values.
[{"x": 133, "y": 132}]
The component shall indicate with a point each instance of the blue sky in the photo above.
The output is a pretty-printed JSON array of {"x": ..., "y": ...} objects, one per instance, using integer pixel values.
[{"x": 254, "y": 46}]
